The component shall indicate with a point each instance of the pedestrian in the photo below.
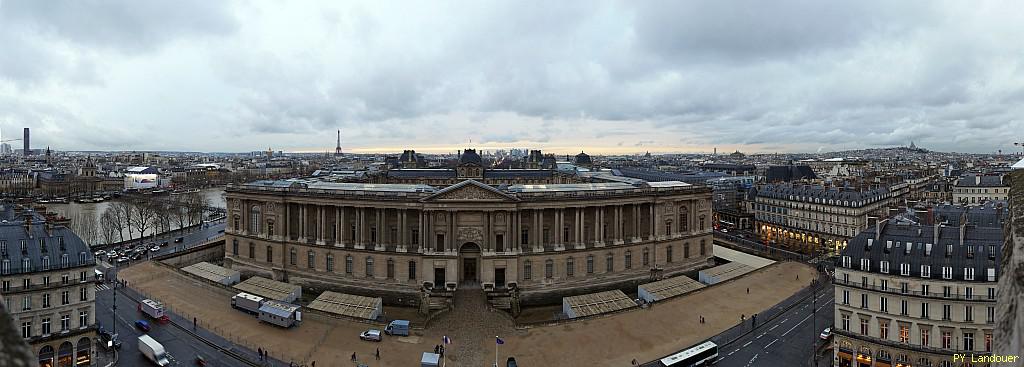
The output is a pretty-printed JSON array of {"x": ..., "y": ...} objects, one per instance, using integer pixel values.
[
  {"x": 378, "y": 353},
  {"x": 353, "y": 356},
  {"x": 314, "y": 364},
  {"x": 260, "y": 352},
  {"x": 748, "y": 290},
  {"x": 743, "y": 317},
  {"x": 635, "y": 362},
  {"x": 195, "y": 321}
]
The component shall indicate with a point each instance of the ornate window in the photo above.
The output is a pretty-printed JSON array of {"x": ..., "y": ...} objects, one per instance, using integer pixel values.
[
  {"x": 293, "y": 257},
  {"x": 270, "y": 254},
  {"x": 252, "y": 250},
  {"x": 668, "y": 253},
  {"x": 628, "y": 262},
  {"x": 609, "y": 263},
  {"x": 703, "y": 248},
  {"x": 590, "y": 264},
  {"x": 646, "y": 256},
  {"x": 330, "y": 263},
  {"x": 234, "y": 247},
  {"x": 391, "y": 269},
  {"x": 348, "y": 264},
  {"x": 549, "y": 269},
  {"x": 570, "y": 267},
  {"x": 311, "y": 259},
  {"x": 369, "y": 267},
  {"x": 412, "y": 270},
  {"x": 686, "y": 250},
  {"x": 254, "y": 219},
  {"x": 684, "y": 226},
  {"x": 527, "y": 270}
]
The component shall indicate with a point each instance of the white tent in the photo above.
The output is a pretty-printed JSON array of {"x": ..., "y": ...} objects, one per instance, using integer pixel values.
[{"x": 1018, "y": 165}]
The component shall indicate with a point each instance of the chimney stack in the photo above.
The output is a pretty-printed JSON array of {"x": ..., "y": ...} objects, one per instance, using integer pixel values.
[
  {"x": 935, "y": 234},
  {"x": 977, "y": 179},
  {"x": 963, "y": 232}
]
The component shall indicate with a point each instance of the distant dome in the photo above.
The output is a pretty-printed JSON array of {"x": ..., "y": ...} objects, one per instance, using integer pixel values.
[
  {"x": 470, "y": 156},
  {"x": 583, "y": 158}
]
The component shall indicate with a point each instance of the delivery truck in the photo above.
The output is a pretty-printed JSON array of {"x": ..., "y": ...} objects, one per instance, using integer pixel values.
[
  {"x": 153, "y": 350},
  {"x": 153, "y": 309},
  {"x": 398, "y": 327},
  {"x": 247, "y": 302}
]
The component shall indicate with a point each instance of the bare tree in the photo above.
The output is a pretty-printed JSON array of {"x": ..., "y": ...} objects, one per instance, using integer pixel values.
[
  {"x": 110, "y": 228},
  {"x": 179, "y": 212},
  {"x": 142, "y": 216},
  {"x": 124, "y": 212},
  {"x": 196, "y": 204},
  {"x": 87, "y": 229},
  {"x": 162, "y": 218}
]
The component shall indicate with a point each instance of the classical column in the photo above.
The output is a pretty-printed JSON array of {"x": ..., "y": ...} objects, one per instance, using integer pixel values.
[
  {"x": 653, "y": 224},
  {"x": 382, "y": 230},
  {"x": 403, "y": 229},
  {"x": 343, "y": 227},
  {"x": 360, "y": 228},
  {"x": 422, "y": 231},
  {"x": 451, "y": 232},
  {"x": 321, "y": 232},
  {"x": 559, "y": 241},
  {"x": 577, "y": 228},
  {"x": 287, "y": 222},
  {"x": 536, "y": 239},
  {"x": 617, "y": 217},
  {"x": 488, "y": 241},
  {"x": 597, "y": 227},
  {"x": 636, "y": 222},
  {"x": 302, "y": 223}
]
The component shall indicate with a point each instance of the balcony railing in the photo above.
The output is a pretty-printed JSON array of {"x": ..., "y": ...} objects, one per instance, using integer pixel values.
[{"x": 896, "y": 291}]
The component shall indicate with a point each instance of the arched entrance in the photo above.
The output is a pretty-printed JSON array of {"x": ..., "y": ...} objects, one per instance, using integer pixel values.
[
  {"x": 46, "y": 356},
  {"x": 64, "y": 354},
  {"x": 469, "y": 263}
]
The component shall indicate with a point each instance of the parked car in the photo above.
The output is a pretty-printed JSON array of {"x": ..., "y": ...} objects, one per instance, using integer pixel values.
[
  {"x": 372, "y": 335},
  {"x": 163, "y": 244},
  {"x": 826, "y": 334},
  {"x": 155, "y": 248},
  {"x": 109, "y": 340},
  {"x": 142, "y": 325},
  {"x": 511, "y": 362},
  {"x": 122, "y": 259},
  {"x": 179, "y": 239},
  {"x": 137, "y": 256},
  {"x": 100, "y": 253}
]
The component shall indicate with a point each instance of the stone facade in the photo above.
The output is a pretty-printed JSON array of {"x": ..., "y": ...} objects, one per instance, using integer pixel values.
[{"x": 375, "y": 238}]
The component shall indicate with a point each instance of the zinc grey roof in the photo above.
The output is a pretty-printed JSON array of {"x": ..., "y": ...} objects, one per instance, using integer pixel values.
[
  {"x": 422, "y": 172},
  {"x": 976, "y": 180},
  {"x": 571, "y": 187},
  {"x": 816, "y": 193},
  {"x": 13, "y": 232},
  {"x": 518, "y": 173},
  {"x": 986, "y": 243},
  {"x": 989, "y": 214},
  {"x": 789, "y": 173}
]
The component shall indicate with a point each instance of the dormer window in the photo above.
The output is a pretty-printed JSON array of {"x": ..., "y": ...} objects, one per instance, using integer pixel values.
[
  {"x": 949, "y": 250},
  {"x": 46, "y": 262},
  {"x": 60, "y": 242},
  {"x": 910, "y": 246},
  {"x": 905, "y": 269},
  {"x": 846, "y": 261},
  {"x": 991, "y": 274},
  {"x": 927, "y": 249},
  {"x": 968, "y": 273},
  {"x": 24, "y": 246},
  {"x": 871, "y": 241},
  {"x": 865, "y": 264},
  {"x": 42, "y": 245},
  {"x": 970, "y": 252},
  {"x": 884, "y": 266},
  {"x": 64, "y": 260},
  {"x": 926, "y": 271},
  {"x": 947, "y": 272},
  {"x": 3, "y": 248}
]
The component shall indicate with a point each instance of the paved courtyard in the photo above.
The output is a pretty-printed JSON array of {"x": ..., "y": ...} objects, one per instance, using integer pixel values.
[{"x": 614, "y": 340}]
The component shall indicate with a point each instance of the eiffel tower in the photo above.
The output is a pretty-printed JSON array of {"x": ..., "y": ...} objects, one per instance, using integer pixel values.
[{"x": 337, "y": 150}]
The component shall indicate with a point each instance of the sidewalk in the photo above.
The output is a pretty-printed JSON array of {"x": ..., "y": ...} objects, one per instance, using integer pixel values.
[{"x": 245, "y": 355}]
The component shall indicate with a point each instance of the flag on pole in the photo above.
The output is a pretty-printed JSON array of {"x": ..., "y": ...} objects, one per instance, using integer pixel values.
[
  {"x": 499, "y": 341},
  {"x": 446, "y": 339}
]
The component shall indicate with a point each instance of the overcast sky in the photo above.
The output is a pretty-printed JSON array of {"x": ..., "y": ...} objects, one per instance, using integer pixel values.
[{"x": 564, "y": 76}]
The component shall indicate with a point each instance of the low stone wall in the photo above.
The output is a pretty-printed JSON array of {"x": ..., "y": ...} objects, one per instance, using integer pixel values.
[
  {"x": 536, "y": 296},
  {"x": 212, "y": 252}
]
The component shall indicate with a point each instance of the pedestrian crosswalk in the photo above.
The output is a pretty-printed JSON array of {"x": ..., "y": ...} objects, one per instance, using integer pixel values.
[{"x": 102, "y": 287}]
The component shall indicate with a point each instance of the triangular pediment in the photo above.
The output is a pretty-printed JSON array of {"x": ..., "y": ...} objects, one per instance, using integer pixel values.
[{"x": 469, "y": 190}]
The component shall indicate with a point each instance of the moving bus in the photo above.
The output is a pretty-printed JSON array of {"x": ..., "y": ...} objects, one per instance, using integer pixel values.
[{"x": 703, "y": 354}]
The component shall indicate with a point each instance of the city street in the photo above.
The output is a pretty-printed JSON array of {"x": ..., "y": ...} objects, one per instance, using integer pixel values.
[
  {"x": 180, "y": 345},
  {"x": 785, "y": 340}
]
